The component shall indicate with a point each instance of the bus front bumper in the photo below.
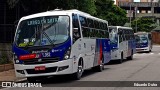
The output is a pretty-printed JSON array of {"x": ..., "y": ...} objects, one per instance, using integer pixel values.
[
  {"x": 48, "y": 69},
  {"x": 142, "y": 49}
]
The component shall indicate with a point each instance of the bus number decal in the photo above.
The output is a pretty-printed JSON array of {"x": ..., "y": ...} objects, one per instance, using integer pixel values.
[{"x": 47, "y": 54}]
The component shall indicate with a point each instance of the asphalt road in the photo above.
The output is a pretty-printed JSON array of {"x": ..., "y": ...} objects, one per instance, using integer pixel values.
[{"x": 144, "y": 67}]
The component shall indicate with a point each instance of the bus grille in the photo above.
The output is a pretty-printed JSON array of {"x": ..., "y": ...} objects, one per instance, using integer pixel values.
[
  {"x": 47, "y": 70},
  {"x": 42, "y": 61}
]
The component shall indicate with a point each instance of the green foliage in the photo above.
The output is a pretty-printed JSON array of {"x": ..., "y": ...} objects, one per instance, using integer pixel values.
[
  {"x": 143, "y": 24},
  {"x": 104, "y": 9},
  {"x": 112, "y": 13},
  {"x": 4, "y": 59}
]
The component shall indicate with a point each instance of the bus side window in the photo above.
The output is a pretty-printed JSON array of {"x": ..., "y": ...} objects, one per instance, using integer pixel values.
[
  {"x": 149, "y": 36},
  {"x": 84, "y": 26},
  {"x": 120, "y": 33},
  {"x": 123, "y": 35},
  {"x": 76, "y": 29}
]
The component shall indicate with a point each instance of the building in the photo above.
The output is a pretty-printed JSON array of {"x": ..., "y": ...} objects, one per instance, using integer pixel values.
[
  {"x": 142, "y": 9},
  {"x": 148, "y": 0},
  {"x": 116, "y": 1}
]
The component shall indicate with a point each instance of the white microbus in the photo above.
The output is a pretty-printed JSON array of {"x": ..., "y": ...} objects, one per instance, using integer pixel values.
[
  {"x": 143, "y": 42},
  {"x": 60, "y": 42},
  {"x": 122, "y": 43}
]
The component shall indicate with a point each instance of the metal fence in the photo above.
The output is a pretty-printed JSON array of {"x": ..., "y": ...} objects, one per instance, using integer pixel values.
[
  {"x": 156, "y": 37},
  {"x": 7, "y": 33}
]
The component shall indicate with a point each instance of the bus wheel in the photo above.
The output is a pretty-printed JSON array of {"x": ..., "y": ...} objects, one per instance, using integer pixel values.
[
  {"x": 33, "y": 79},
  {"x": 130, "y": 57},
  {"x": 79, "y": 72},
  {"x": 121, "y": 60},
  {"x": 100, "y": 67}
]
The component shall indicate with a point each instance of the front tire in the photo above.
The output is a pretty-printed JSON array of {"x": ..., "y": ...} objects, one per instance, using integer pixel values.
[{"x": 79, "y": 72}]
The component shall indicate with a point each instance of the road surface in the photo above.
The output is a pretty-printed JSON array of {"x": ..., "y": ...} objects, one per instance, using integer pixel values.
[{"x": 144, "y": 67}]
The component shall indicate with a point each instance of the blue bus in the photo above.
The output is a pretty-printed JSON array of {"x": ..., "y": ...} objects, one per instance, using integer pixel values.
[
  {"x": 60, "y": 42},
  {"x": 143, "y": 42},
  {"x": 122, "y": 43}
]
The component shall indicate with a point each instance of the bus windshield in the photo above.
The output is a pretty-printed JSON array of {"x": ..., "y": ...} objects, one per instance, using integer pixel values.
[
  {"x": 40, "y": 31},
  {"x": 141, "y": 38}
]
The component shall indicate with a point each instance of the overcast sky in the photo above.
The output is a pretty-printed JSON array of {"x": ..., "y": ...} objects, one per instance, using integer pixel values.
[{"x": 134, "y": 0}]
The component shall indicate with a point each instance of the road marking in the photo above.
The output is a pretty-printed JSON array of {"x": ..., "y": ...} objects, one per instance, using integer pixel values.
[
  {"x": 143, "y": 54},
  {"x": 152, "y": 53},
  {"x": 156, "y": 45}
]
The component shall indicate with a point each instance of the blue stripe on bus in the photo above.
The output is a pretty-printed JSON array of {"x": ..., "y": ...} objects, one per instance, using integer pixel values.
[{"x": 106, "y": 50}]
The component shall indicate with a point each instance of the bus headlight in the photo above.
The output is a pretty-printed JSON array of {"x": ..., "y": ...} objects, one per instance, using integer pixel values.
[
  {"x": 16, "y": 59},
  {"x": 67, "y": 54}
]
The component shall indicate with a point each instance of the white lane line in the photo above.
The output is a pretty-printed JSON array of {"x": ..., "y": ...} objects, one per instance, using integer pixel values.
[
  {"x": 142, "y": 54},
  {"x": 152, "y": 53},
  {"x": 156, "y": 45}
]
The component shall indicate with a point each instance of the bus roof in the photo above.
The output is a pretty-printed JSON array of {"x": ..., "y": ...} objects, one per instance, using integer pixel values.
[
  {"x": 139, "y": 33},
  {"x": 61, "y": 12},
  {"x": 120, "y": 27}
]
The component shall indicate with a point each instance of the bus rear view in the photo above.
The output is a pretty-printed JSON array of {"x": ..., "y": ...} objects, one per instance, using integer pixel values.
[{"x": 143, "y": 42}]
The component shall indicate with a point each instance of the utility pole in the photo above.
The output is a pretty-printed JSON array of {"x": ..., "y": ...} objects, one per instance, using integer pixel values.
[
  {"x": 136, "y": 16},
  {"x": 130, "y": 15},
  {"x": 152, "y": 7}
]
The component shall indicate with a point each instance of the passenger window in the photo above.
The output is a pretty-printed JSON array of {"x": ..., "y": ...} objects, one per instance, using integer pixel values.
[
  {"x": 76, "y": 28},
  {"x": 120, "y": 33},
  {"x": 84, "y": 26}
]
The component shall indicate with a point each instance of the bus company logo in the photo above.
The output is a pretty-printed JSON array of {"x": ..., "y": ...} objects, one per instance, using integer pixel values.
[
  {"x": 56, "y": 50},
  {"x": 13, "y": 84},
  {"x": 40, "y": 51},
  {"x": 6, "y": 84}
]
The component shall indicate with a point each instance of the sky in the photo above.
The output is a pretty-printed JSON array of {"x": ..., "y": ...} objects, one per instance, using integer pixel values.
[{"x": 134, "y": 0}]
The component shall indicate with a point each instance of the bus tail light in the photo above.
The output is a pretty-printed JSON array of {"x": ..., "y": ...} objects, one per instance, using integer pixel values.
[{"x": 29, "y": 56}]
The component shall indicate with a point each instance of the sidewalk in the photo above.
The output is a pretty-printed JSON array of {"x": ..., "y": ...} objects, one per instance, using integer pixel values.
[{"x": 10, "y": 76}]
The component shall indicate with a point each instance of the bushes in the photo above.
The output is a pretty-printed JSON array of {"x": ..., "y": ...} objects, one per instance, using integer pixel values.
[{"x": 4, "y": 58}]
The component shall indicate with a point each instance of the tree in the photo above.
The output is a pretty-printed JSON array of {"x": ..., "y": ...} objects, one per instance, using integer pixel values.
[
  {"x": 110, "y": 12},
  {"x": 143, "y": 24},
  {"x": 87, "y": 6},
  {"x": 104, "y": 9},
  {"x": 44, "y": 5}
]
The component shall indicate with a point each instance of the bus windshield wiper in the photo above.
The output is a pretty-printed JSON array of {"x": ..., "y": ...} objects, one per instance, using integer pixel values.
[
  {"x": 28, "y": 44},
  {"x": 48, "y": 38}
]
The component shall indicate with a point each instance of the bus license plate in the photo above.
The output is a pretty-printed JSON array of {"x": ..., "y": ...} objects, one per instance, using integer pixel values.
[{"x": 40, "y": 68}]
